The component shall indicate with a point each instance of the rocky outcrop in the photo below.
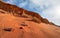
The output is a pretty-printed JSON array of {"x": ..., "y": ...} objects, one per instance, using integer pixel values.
[
  {"x": 18, "y": 27},
  {"x": 16, "y": 22},
  {"x": 16, "y": 11}
]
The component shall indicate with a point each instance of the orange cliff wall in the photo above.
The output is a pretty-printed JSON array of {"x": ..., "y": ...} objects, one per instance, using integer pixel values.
[{"x": 19, "y": 11}]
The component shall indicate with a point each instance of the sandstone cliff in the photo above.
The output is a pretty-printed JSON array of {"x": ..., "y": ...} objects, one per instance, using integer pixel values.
[
  {"x": 17, "y": 22},
  {"x": 16, "y": 11}
]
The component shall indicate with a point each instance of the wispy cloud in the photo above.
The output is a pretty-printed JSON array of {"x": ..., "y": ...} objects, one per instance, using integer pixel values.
[
  {"x": 53, "y": 12},
  {"x": 51, "y": 9},
  {"x": 47, "y": 8}
]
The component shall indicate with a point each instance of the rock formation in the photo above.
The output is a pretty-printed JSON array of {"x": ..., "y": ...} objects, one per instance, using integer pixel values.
[
  {"x": 17, "y": 22},
  {"x": 12, "y": 9}
]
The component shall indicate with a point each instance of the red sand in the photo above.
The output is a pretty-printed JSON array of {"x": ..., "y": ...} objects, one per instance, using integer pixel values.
[
  {"x": 17, "y": 22},
  {"x": 31, "y": 30}
]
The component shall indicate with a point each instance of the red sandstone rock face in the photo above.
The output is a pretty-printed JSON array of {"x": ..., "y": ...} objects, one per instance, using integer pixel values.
[
  {"x": 16, "y": 22},
  {"x": 19, "y": 27},
  {"x": 12, "y": 9}
]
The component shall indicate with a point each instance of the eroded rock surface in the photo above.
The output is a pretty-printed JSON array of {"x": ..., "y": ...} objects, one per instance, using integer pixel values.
[{"x": 16, "y": 22}]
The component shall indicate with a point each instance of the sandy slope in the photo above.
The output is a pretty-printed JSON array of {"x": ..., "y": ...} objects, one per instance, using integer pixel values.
[
  {"x": 21, "y": 28},
  {"x": 17, "y": 22}
]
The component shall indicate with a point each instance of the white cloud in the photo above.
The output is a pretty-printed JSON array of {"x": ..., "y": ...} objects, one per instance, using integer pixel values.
[
  {"x": 51, "y": 9},
  {"x": 10, "y": 1},
  {"x": 22, "y": 4},
  {"x": 53, "y": 12}
]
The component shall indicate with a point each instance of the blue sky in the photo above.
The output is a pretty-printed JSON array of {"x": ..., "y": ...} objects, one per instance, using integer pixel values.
[{"x": 49, "y": 9}]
